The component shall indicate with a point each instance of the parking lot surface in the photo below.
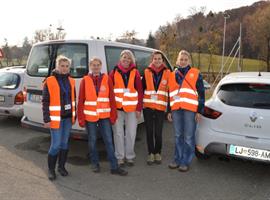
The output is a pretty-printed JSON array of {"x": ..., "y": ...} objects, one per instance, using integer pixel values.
[{"x": 23, "y": 172}]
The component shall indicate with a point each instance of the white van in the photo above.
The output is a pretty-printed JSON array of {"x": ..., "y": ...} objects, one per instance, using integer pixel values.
[{"x": 41, "y": 62}]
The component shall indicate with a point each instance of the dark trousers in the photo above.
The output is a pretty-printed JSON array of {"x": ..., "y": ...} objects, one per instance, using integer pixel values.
[{"x": 154, "y": 123}]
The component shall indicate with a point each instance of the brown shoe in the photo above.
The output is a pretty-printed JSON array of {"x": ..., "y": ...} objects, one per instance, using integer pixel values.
[
  {"x": 173, "y": 165},
  {"x": 183, "y": 168}
]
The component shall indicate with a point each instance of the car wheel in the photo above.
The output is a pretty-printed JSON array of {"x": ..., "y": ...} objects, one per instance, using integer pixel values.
[{"x": 201, "y": 156}]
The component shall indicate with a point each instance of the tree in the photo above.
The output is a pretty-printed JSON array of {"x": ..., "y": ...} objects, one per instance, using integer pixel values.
[
  {"x": 26, "y": 47},
  {"x": 151, "y": 41},
  {"x": 167, "y": 37},
  {"x": 17, "y": 54},
  {"x": 7, "y": 52},
  {"x": 130, "y": 38},
  {"x": 48, "y": 34},
  {"x": 259, "y": 33}
]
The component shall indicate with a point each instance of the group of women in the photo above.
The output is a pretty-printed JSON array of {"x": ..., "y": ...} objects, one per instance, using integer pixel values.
[{"x": 112, "y": 104}]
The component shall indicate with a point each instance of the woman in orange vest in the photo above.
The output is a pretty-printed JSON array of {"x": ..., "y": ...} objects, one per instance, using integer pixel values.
[
  {"x": 155, "y": 103},
  {"x": 58, "y": 104},
  {"x": 128, "y": 95},
  {"x": 187, "y": 104},
  {"x": 96, "y": 111}
]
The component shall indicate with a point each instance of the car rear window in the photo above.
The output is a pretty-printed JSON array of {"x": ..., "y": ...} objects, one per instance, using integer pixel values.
[
  {"x": 9, "y": 80},
  {"x": 250, "y": 95}
]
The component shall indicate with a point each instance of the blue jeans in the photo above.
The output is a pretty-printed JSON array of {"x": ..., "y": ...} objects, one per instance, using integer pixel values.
[
  {"x": 104, "y": 126},
  {"x": 60, "y": 137},
  {"x": 184, "y": 128}
]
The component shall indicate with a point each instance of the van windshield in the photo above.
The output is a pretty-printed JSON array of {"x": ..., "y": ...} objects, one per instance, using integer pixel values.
[{"x": 42, "y": 59}]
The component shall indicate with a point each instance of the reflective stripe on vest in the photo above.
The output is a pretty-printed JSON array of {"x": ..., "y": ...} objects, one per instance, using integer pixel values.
[
  {"x": 185, "y": 97},
  {"x": 55, "y": 101},
  {"x": 126, "y": 98},
  {"x": 96, "y": 107},
  {"x": 153, "y": 99}
]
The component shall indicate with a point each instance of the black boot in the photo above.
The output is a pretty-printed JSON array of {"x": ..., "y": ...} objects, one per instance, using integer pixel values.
[
  {"x": 61, "y": 162},
  {"x": 51, "y": 166}
]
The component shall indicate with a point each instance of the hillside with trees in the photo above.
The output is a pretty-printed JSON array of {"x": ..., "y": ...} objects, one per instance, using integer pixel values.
[
  {"x": 200, "y": 33},
  {"x": 203, "y": 32}
]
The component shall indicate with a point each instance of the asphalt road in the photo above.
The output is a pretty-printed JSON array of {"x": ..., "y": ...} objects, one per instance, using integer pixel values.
[{"x": 23, "y": 168}]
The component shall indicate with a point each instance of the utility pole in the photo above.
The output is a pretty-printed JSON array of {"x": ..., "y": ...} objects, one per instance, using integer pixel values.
[
  {"x": 59, "y": 34},
  {"x": 239, "y": 58},
  {"x": 225, "y": 15}
]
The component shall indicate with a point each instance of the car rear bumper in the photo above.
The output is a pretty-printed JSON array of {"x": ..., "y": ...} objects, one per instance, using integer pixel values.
[
  {"x": 16, "y": 111},
  {"x": 75, "y": 133},
  {"x": 213, "y": 142}
]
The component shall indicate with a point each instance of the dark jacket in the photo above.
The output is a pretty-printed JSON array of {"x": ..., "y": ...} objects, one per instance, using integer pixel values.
[{"x": 65, "y": 97}]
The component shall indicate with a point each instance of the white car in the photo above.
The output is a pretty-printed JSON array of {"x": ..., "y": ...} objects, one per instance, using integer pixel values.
[
  {"x": 11, "y": 95},
  {"x": 236, "y": 120}
]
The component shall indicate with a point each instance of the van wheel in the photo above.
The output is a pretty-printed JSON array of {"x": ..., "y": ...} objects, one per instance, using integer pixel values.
[{"x": 201, "y": 156}]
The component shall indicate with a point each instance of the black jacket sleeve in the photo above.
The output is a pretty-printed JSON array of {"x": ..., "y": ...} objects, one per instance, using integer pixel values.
[
  {"x": 201, "y": 94},
  {"x": 46, "y": 104}
]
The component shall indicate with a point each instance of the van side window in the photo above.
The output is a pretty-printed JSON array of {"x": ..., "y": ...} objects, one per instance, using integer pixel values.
[
  {"x": 79, "y": 59},
  {"x": 39, "y": 61},
  {"x": 112, "y": 56},
  {"x": 143, "y": 59}
]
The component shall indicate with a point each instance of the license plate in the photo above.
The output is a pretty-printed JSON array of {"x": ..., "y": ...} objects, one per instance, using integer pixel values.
[
  {"x": 249, "y": 152},
  {"x": 34, "y": 98},
  {"x": 2, "y": 98}
]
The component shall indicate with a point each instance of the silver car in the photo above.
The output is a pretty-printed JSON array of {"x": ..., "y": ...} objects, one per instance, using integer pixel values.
[
  {"x": 11, "y": 92},
  {"x": 236, "y": 121}
]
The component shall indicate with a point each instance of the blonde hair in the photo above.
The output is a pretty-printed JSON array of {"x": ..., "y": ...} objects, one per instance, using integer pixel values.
[
  {"x": 183, "y": 52},
  {"x": 129, "y": 54},
  {"x": 62, "y": 58},
  {"x": 95, "y": 59}
]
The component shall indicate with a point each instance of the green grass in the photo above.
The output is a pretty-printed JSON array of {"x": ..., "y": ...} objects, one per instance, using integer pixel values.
[{"x": 248, "y": 64}]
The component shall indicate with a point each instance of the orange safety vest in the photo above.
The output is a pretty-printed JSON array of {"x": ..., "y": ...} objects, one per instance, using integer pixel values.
[
  {"x": 126, "y": 98},
  {"x": 96, "y": 106},
  {"x": 153, "y": 99},
  {"x": 55, "y": 101},
  {"x": 186, "y": 96}
]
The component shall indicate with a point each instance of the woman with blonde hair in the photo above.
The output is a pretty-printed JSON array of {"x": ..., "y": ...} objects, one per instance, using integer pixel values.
[
  {"x": 187, "y": 104},
  {"x": 128, "y": 95},
  {"x": 58, "y": 105}
]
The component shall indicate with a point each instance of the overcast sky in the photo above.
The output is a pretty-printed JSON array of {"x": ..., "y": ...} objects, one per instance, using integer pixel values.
[{"x": 82, "y": 19}]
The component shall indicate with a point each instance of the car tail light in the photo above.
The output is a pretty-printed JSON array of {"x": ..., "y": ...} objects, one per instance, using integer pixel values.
[
  {"x": 19, "y": 98},
  {"x": 25, "y": 94},
  {"x": 211, "y": 113}
]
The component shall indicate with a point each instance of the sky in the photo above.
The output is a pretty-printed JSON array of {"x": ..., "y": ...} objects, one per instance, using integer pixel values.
[{"x": 108, "y": 19}]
